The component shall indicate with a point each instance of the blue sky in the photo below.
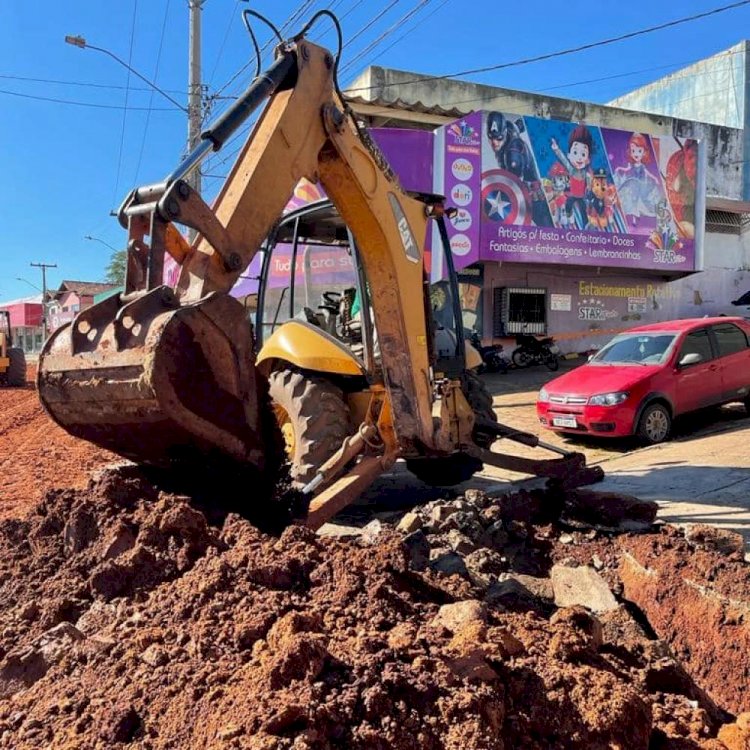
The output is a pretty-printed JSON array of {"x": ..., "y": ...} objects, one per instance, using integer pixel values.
[{"x": 66, "y": 166}]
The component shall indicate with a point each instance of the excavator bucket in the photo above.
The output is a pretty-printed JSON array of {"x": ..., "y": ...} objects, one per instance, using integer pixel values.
[{"x": 158, "y": 381}]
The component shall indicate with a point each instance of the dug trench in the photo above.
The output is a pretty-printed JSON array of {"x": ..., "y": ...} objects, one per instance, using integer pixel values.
[{"x": 129, "y": 617}]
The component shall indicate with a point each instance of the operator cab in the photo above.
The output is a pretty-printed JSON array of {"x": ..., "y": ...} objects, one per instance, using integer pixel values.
[{"x": 311, "y": 274}]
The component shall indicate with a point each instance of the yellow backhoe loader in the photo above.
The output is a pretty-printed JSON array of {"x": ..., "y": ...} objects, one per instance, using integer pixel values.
[
  {"x": 362, "y": 373},
  {"x": 12, "y": 359}
]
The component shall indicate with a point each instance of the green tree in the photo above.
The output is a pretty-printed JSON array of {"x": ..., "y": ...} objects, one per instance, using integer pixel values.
[{"x": 115, "y": 273}]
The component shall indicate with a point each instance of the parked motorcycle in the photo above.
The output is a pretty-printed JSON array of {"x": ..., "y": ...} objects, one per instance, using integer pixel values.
[
  {"x": 533, "y": 351},
  {"x": 493, "y": 359}
]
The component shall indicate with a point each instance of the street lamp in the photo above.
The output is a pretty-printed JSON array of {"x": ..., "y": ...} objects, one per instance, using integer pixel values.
[
  {"x": 97, "y": 239},
  {"x": 79, "y": 41},
  {"x": 18, "y": 278}
]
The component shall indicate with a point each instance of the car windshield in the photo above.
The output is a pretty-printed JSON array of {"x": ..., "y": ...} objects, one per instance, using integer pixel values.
[{"x": 636, "y": 348}]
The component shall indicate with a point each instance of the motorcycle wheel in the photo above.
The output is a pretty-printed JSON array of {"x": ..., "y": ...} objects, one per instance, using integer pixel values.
[
  {"x": 551, "y": 360},
  {"x": 522, "y": 357}
]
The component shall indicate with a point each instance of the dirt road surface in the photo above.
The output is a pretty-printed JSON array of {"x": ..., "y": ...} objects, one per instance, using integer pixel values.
[
  {"x": 130, "y": 615},
  {"x": 36, "y": 455}
]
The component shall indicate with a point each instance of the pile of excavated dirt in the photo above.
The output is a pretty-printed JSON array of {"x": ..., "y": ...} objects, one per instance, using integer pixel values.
[
  {"x": 37, "y": 455},
  {"x": 130, "y": 617}
]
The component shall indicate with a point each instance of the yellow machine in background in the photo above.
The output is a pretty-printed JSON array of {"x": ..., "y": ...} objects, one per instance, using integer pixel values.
[
  {"x": 12, "y": 360},
  {"x": 170, "y": 376}
]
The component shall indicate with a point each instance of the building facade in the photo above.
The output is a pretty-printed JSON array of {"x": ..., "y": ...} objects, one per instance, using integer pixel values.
[
  {"x": 579, "y": 285},
  {"x": 27, "y": 331}
]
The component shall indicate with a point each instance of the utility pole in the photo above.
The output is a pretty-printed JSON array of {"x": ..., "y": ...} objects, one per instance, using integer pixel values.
[
  {"x": 44, "y": 267},
  {"x": 195, "y": 88}
]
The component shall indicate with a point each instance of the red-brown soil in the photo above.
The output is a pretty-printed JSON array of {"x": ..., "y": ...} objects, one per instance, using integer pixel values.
[
  {"x": 36, "y": 454},
  {"x": 125, "y": 617},
  {"x": 131, "y": 617},
  {"x": 699, "y": 601}
]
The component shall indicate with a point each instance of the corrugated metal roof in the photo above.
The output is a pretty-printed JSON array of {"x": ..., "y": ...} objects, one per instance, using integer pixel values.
[{"x": 408, "y": 106}]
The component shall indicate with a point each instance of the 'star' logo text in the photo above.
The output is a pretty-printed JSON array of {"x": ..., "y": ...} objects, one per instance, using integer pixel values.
[{"x": 464, "y": 134}]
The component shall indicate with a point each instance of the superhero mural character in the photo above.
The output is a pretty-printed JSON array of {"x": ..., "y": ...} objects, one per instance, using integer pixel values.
[
  {"x": 680, "y": 180},
  {"x": 513, "y": 154},
  {"x": 639, "y": 190},
  {"x": 577, "y": 162}
]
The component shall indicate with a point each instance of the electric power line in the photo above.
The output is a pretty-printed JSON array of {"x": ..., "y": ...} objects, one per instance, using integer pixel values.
[
  {"x": 151, "y": 98},
  {"x": 125, "y": 111},
  {"x": 371, "y": 22},
  {"x": 71, "y": 102},
  {"x": 87, "y": 84},
  {"x": 390, "y": 30},
  {"x": 223, "y": 41},
  {"x": 405, "y": 34},
  {"x": 561, "y": 53}
]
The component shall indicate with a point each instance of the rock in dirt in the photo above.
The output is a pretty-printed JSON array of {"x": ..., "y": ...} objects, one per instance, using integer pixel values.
[
  {"x": 454, "y": 616},
  {"x": 449, "y": 563},
  {"x": 417, "y": 549},
  {"x": 583, "y": 586},
  {"x": 521, "y": 592},
  {"x": 736, "y": 736},
  {"x": 707, "y": 537},
  {"x": 409, "y": 523}
]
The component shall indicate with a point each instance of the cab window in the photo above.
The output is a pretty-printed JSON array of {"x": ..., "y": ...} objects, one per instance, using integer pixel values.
[{"x": 730, "y": 339}]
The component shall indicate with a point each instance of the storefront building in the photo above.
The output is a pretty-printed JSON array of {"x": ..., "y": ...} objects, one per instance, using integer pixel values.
[
  {"x": 574, "y": 220},
  {"x": 573, "y": 230},
  {"x": 25, "y": 323}
]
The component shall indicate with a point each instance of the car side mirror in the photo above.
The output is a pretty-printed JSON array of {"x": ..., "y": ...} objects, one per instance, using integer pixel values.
[{"x": 690, "y": 359}]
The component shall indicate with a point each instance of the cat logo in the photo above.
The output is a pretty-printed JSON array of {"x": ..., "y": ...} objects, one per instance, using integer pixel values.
[{"x": 407, "y": 238}]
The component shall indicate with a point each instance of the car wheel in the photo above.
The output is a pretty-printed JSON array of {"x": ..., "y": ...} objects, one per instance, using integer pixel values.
[{"x": 655, "y": 424}]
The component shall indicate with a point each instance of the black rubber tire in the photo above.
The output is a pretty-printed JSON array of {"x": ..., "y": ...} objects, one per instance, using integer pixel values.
[
  {"x": 552, "y": 361},
  {"x": 451, "y": 470},
  {"x": 521, "y": 358},
  {"x": 317, "y": 414},
  {"x": 654, "y": 415},
  {"x": 16, "y": 374}
]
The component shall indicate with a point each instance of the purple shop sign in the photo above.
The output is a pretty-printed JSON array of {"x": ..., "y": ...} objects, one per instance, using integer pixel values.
[
  {"x": 458, "y": 167},
  {"x": 566, "y": 193},
  {"x": 409, "y": 152},
  {"x": 532, "y": 244}
]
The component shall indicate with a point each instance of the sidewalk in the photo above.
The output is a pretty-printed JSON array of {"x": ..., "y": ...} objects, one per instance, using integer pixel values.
[{"x": 701, "y": 476}]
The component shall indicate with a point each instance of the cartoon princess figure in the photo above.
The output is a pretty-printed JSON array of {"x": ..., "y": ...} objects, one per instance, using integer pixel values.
[
  {"x": 638, "y": 189},
  {"x": 577, "y": 162}
]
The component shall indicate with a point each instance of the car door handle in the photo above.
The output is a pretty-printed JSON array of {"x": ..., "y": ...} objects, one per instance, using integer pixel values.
[{"x": 713, "y": 368}]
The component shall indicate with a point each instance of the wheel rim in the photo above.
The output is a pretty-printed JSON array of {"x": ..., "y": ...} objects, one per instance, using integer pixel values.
[
  {"x": 657, "y": 425},
  {"x": 287, "y": 430}
]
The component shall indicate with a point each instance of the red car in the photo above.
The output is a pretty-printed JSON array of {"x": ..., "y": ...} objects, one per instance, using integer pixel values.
[{"x": 644, "y": 378}]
